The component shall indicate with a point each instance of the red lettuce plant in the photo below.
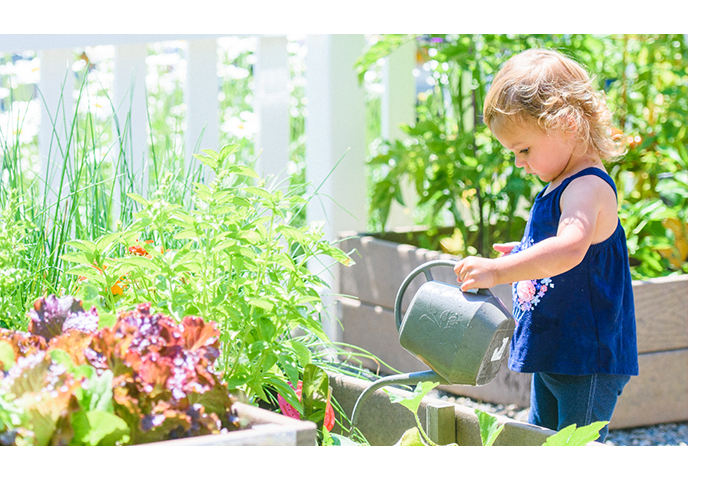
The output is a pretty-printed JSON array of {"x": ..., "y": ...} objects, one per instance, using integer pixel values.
[
  {"x": 145, "y": 379},
  {"x": 50, "y": 316},
  {"x": 165, "y": 387}
]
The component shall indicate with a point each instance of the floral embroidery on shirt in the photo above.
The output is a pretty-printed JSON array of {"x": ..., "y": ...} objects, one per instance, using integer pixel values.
[{"x": 528, "y": 293}]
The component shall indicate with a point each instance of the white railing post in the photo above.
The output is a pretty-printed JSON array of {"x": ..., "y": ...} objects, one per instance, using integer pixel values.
[
  {"x": 398, "y": 107},
  {"x": 201, "y": 98},
  {"x": 57, "y": 83},
  {"x": 335, "y": 132},
  {"x": 272, "y": 106},
  {"x": 129, "y": 102}
]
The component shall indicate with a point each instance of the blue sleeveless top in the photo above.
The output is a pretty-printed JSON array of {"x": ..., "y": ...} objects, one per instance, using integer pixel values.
[{"x": 580, "y": 322}]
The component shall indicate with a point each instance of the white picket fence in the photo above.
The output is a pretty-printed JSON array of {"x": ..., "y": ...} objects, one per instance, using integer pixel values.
[{"x": 334, "y": 126}]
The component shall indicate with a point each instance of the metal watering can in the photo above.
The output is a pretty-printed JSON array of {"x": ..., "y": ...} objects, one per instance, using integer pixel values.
[{"x": 461, "y": 336}]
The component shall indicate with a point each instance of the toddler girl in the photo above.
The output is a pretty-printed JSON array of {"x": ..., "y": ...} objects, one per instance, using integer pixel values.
[{"x": 572, "y": 289}]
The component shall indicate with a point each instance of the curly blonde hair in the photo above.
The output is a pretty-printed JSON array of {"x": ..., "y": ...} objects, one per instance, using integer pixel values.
[{"x": 554, "y": 91}]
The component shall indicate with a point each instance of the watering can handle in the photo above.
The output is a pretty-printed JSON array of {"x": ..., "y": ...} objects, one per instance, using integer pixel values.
[{"x": 424, "y": 268}]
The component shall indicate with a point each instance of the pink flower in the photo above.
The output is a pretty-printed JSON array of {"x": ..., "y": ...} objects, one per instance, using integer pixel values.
[{"x": 525, "y": 291}]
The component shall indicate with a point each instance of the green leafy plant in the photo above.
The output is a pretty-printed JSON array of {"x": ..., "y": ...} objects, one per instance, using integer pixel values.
[
  {"x": 13, "y": 276},
  {"x": 235, "y": 256}
]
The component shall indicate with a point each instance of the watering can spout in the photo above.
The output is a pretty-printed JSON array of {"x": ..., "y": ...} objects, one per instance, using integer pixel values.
[{"x": 412, "y": 378}]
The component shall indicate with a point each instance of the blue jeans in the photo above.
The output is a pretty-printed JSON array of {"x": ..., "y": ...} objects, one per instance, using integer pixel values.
[{"x": 558, "y": 400}]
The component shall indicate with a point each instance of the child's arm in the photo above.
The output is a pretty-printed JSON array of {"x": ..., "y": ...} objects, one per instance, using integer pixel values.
[{"x": 589, "y": 216}]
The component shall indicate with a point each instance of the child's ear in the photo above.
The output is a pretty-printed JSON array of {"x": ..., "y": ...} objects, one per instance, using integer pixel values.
[{"x": 571, "y": 127}]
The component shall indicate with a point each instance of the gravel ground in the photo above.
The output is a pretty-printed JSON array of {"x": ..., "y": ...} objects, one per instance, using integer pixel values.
[{"x": 669, "y": 434}]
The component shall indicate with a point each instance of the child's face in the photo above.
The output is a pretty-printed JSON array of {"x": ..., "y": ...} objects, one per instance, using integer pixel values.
[{"x": 544, "y": 154}]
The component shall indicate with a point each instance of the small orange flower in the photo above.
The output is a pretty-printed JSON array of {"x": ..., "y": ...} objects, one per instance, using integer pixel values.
[
  {"x": 118, "y": 287},
  {"x": 140, "y": 251}
]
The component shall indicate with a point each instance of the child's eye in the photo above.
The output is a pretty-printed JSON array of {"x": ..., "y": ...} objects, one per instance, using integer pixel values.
[{"x": 524, "y": 151}]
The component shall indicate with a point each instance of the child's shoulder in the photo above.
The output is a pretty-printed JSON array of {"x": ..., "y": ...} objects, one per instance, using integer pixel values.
[{"x": 592, "y": 185}]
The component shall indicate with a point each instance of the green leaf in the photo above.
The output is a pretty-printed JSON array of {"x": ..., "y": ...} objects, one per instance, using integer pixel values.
[
  {"x": 83, "y": 245},
  {"x": 189, "y": 234},
  {"x": 106, "y": 241},
  {"x": 95, "y": 428},
  {"x": 59, "y": 356},
  {"x": 340, "y": 256},
  {"x": 574, "y": 436},
  {"x": 251, "y": 236},
  {"x": 222, "y": 245},
  {"x": 411, "y": 437},
  {"x": 136, "y": 262},
  {"x": 337, "y": 439},
  {"x": 100, "y": 392},
  {"x": 302, "y": 352},
  {"x": 489, "y": 428},
  {"x": 7, "y": 356},
  {"x": 78, "y": 257},
  {"x": 138, "y": 198},
  {"x": 244, "y": 171},
  {"x": 106, "y": 320},
  {"x": 293, "y": 234},
  {"x": 413, "y": 402},
  {"x": 315, "y": 393},
  {"x": 89, "y": 273},
  {"x": 227, "y": 150},
  {"x": 261, "y": 192},
  {"x": 207, "y": 160},
  {"x": 262, "y": 304},
  {"x": 384, "y": 47}
]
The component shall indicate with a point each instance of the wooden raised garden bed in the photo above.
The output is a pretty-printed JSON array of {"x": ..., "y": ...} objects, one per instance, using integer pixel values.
[
  {"x": 383, "y": 423},
  {"x": 266, "y": 429}
]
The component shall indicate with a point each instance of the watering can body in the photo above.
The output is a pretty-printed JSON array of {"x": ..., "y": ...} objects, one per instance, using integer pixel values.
[{"x": 462, "y": 336}]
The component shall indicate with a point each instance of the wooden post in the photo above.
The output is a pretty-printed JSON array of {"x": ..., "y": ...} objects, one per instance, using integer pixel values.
[
  {"x": 440, "y": 423},
  {"x": 398, "y": 107},
  {"x": 272, "y": 106},
  {"x": 335, "y": 152},
  {"x": 201, "y": 98},
  {"x": 129, "y": 95},
  {"x": 57, "y": 83}
]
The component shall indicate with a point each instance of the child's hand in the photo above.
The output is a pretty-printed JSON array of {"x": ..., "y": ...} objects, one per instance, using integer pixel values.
[
  {"x": 504, "y": 248},
  {"x": 474, "y": 272}
]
